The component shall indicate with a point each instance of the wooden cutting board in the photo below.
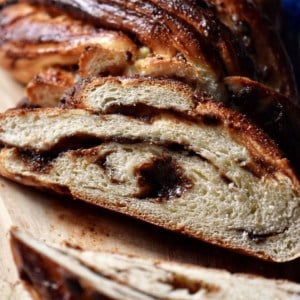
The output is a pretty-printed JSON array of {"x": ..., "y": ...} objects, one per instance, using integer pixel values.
[{"x": 62, "y": 220}]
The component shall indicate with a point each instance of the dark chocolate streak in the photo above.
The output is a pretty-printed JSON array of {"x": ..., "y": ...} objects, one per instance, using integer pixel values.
[
  {"x": 161, "y": 178},
  {"x": 178, "y": 281},
  {"x": 41, "y": 161},
  {"x": 147, "y": 114},
  {"x": 260, "y": 237},
  {"x": 49, "y": 279}
]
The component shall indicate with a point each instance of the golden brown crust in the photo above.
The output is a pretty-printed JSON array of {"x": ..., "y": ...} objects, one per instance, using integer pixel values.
[
  {"x": 273, "y": 112},
  {"x": 263, "y": 44},
  {"x": 218, "y": 37},
  {"x": 143, "y": 19},
  {"x": 33, "y": 41},
  {"x": 48, "y": 87}
]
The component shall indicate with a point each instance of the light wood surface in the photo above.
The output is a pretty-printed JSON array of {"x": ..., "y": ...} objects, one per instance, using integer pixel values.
[{"x": 61, "y": 220}]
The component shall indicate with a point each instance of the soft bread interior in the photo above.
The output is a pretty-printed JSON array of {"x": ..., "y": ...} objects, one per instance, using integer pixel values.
[
  {"x": 121, "y": 277},
  {"x": 109, "y": 93},
  {"x": 212, "y": 194},
  {"x": 68, "y": 275}
]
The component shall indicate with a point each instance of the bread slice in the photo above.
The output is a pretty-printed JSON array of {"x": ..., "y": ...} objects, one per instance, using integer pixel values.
[
  {"x": 271, "y": 111},
  {"x": 106, "y": 94},
  {"x": 82, "y": 274},
  {"x": 210, "y": 174}
]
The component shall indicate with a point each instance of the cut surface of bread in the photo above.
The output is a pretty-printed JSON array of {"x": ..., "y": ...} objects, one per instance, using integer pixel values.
[
  {"x": 84, "y": 274},
  {"x": 104, "y": 94},
  {"x": 271, "y": 111},
  {"x": 212, "y": 175}
]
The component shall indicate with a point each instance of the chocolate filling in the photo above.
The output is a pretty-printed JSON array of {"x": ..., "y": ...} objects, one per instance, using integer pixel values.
[
  {"x": 147, "y": 114},
  {"x": 37, "y": 161},
  {"x": 40, "y": 161},
  {"x": 212, "y": 120},
  {"x": 226, "y": 179},
  {"x": 37, "y": 272},
  {"x": 178, "y": 281},
  {"x": 162, "y": 178},
  {"x": 260, "y": 237},
  {"x": 49, "y": 279},
  {"x": 74, "y": 286}
]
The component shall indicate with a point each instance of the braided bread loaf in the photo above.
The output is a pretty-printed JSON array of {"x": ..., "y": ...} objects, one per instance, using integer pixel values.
[{"x": 159, "y": 149}]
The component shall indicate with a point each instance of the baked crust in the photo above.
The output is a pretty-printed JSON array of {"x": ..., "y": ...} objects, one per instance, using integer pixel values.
[
  {"x": 33, "y": 40},
  {"x": 262, "y": 42}
]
